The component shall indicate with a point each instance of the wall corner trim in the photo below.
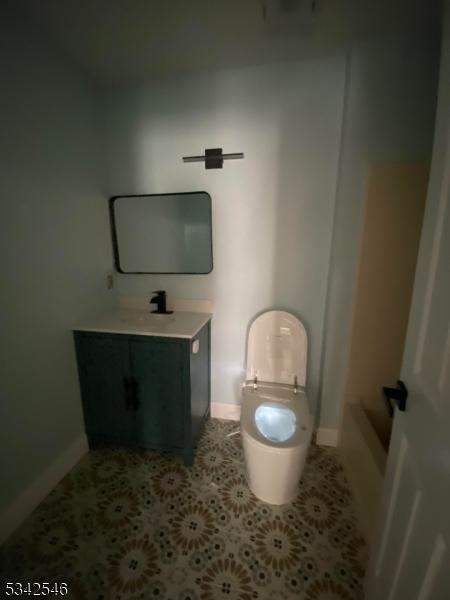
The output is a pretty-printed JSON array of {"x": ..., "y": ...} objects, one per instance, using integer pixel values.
[
  {"x": 327, "y": 437},
  {"x": 24, "y": 503},
  {"x": 231, "y": 412}
]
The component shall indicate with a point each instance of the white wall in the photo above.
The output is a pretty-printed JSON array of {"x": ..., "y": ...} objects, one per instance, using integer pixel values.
[
  {"x": 272, "y": 211},
  {"x": 389, "y": 115},
  {"x": 54, "y": 248}
]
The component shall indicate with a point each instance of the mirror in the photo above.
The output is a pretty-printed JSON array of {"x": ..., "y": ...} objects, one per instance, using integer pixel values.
[{"x": 162, "y": 233}]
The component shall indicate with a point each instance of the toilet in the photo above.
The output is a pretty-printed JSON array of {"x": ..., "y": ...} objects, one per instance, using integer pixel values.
[{"x": 276, "y": 424}]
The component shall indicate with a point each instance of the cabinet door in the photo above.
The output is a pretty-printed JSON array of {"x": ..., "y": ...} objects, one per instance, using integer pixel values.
[
  {"x": 159, "y": 394},
  {"x": 102, "y": 364}
]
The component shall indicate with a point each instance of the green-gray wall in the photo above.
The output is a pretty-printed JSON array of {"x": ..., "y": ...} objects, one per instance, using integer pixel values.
[
  {"x": 54, "y": 247},
  {"x": 272, "y": 212}
]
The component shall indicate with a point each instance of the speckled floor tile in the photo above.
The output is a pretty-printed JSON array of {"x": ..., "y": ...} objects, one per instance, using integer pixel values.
[{"x": 131, "y": 524}]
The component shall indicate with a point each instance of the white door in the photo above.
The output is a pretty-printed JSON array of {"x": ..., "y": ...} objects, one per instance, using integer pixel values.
[{"x": 411, "y": 560}]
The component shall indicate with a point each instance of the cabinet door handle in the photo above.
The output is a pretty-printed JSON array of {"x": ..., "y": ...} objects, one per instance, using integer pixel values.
[
  {"x": 127, "y": 389},
  {"x": 135, "y": 394}
]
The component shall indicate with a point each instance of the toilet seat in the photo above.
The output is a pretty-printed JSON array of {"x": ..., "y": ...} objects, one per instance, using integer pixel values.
[{"x": 273, "y": 394}]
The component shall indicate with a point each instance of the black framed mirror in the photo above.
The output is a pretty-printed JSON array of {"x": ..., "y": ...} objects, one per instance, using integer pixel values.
[{"x": 162, "y": 233}]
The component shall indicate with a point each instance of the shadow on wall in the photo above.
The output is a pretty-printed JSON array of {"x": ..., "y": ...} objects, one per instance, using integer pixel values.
[{"x": 304, "y": 221}]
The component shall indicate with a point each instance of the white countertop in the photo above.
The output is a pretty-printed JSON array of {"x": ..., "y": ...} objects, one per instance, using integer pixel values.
[{"x": 180, "y": 324}]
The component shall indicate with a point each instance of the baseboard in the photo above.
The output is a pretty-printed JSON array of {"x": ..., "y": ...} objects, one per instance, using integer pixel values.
[
  {"x": 326, "y": 437},
  {"x": 231, "y": 412},
  {"x": 25, "y": 502}
]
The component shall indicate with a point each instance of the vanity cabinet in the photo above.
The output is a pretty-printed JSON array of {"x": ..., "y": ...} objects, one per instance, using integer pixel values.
[{"x": 146, "y": 391}]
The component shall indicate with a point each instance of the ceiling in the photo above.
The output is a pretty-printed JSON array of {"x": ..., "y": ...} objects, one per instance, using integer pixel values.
[{"x": 120, "y": 42}]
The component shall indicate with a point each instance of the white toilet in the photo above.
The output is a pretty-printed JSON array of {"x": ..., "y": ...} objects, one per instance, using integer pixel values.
[{"x": 276, "y": 424}]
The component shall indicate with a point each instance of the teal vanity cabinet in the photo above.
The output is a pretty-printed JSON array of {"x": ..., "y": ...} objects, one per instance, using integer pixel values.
[{"x": 144, "y": 390}]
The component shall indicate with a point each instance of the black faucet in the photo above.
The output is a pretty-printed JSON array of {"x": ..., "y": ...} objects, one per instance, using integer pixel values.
[{"x": 160, "y": 301}]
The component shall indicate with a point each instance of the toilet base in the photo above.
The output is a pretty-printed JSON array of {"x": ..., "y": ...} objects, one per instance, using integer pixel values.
[{"x": 273, "y": 474}]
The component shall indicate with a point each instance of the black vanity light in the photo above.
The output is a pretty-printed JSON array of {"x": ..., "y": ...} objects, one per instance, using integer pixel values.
[{"x": 213, "y": 158}]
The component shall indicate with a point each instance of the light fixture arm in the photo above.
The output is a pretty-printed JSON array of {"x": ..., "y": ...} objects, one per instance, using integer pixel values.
[{"x": 213, "y": 158}]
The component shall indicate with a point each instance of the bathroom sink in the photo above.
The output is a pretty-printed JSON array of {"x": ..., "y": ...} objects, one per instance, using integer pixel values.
[{"x": 150, "y": 319}]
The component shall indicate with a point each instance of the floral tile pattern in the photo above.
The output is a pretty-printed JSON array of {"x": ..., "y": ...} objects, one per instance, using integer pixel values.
[{"x": 133, "y": 524}]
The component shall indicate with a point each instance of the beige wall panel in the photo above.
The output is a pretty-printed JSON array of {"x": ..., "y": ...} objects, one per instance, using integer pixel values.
[{"x": 396, "y": 193}]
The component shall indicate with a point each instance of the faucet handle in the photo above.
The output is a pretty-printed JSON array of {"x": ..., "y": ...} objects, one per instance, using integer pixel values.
[{"x": 160, "y": 300}]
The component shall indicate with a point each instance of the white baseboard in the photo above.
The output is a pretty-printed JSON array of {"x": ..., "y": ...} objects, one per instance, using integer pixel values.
[
  {"x": 231, "y": 412},
  {"x": 327, "y": 437},
  {"x": 25, "y": 502}
]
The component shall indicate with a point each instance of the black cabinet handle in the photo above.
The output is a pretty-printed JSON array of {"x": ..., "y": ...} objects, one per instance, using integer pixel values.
[
  {"x": 399, "y": 394},
  {"x": 135, "y": 394}
]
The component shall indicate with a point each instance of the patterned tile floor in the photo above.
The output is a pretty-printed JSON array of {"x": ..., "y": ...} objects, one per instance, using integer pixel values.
[{"x": 132, "y": 524}]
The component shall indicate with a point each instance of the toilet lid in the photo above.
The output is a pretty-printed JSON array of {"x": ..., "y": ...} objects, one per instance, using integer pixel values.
[{"x": 277, "y": 349}]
